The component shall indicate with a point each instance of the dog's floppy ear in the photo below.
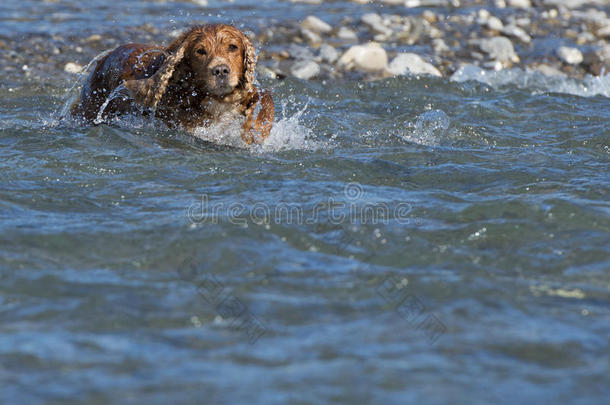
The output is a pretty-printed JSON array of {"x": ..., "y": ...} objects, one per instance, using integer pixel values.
[
  {"x": 148, "y": 92},
  {"x": 249, "y": 63}
]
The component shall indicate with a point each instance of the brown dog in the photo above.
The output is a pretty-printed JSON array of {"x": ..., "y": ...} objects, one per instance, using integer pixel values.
[{"x": 205, "y": 74}]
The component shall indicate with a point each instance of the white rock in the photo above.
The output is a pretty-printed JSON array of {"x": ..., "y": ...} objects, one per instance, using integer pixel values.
[
  {"x": 328, "y": 53},
  {"x": 520, "y": 3},
  {"x": 603, "y": 32},
  {"x": 71, "y": 67},
  {"x": 499, "y": 48},
  {"x": 489, "y": 21},
  {"x": 439, "y": 46},
  {"x": 375, "y": 23},
  {"x": 263, "y": 71},
  {"x": 571, "y": 56},
  {"x": 514, "y": 31},
  {"x": 369, "y": 58},
  {"x": 305, "y": 69},
  {"x": 310, "y": 36},
  {"x": 314, "y": 24},
  {"x": 431, "y": 3},
  {"x": 494, "y": 23},
  {"x": 483, "y": 14},
  {"x": 404, "y": 63},
  {"x": 347, "y": 34}
]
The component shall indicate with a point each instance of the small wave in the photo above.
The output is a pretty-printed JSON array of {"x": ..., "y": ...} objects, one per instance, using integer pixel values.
[{"x": 535, "y": 81}]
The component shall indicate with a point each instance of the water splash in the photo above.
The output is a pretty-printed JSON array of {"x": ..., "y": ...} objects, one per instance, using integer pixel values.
[
  {"x": 289, "y": 133},
  {"x": 429, "y": 129},
  {"x": 72, "y": 94},
  {"x": 535, "y": 81},
  {"x": 116, "y": 93},
  {"x": 225, "y": 131}
]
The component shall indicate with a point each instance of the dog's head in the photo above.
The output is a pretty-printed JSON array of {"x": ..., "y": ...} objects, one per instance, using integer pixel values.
[{"x": 216, "y": 59}]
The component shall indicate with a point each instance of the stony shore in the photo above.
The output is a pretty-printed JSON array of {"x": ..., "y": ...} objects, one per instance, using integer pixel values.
[{"x": 433, "y": 37}]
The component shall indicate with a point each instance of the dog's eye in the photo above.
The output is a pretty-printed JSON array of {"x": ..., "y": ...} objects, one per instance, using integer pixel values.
[
  {"x": 232, "y": 47},
  {"x": 202, "y": 51}
]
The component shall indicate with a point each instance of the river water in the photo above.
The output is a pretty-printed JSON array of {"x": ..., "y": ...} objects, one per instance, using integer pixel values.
[{"x": 406, "y": 240}]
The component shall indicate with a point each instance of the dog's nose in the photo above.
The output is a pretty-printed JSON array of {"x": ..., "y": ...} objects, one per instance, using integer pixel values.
[{"x": 221, "y": 71}]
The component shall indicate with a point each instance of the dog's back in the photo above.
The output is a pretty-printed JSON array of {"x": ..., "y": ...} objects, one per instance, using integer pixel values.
[{"x": 127, "y": 62}]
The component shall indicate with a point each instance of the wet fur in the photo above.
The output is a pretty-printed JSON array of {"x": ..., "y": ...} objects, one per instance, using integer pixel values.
[{"x": 177, "y": 82}]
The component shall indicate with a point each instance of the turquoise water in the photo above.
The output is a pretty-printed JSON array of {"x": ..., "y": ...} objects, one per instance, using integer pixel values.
[{"x": 411, "y": 240}]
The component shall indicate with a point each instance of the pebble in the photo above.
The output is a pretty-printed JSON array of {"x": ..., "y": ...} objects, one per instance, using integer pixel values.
[
  {"x": 571, "y": 56},
  {"x": 72, "y": 67},
  {"x": 300, "y": 52},
  {"x": 306, "y": 69},
  {"x": 310, "y": 36},
  {"x": 498, "y": 48},
  {"x": 439, "y": 46},
  {"x": 263, "y": 71},
  {"x": 94, "y": 38},
  {"x": 519, "y": 33},
  {"x": 368, "y": 58},
  {"x": 375, "y": 23},
  {"x": 347, "y": 34},
  {"x": 404, "y": 63},
  {"x": 487, "y": 20},
  {"x": 314, "y": 24},
  {"x": 328, "y": 53},
  {"x": 429, "y": 16},
  {"x": 520, "y": 3},
  {"x": 603, "y": 32},
  {"x": 431, "y": 3}
]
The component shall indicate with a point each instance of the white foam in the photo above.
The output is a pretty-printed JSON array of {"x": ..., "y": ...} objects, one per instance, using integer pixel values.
[
  {"x": 535, "y": 81},
  {"x": 288, "y": 133},
  {"x": 226, "y": 131}
]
